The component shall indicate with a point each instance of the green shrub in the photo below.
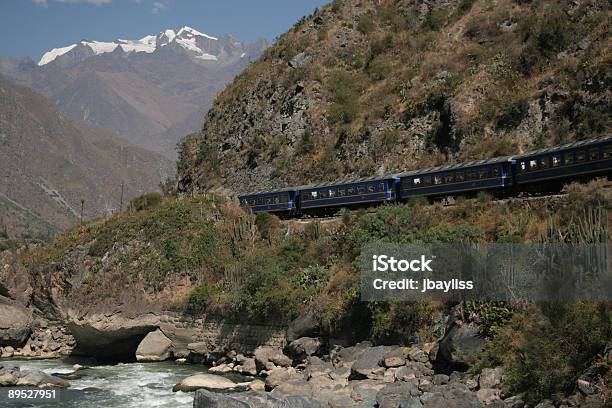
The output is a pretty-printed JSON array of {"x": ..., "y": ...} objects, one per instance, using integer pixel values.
[
  {"x": 513, "y": 114},
  {"x": 105, "y": 239},
  {"x": 546, "y": 348},
  {"x": 402, "y": 322},
  {"x": 493, "y": 315},
  {"x": 264, "y": 224},
  {"x": 313, "y": 277},
  {"x": 464, "y": 6},
  {"x": 145, "y": 202},
  {"x": 365, "y": 25},
  {"x": 345, "y": 89},
  {"x": 551, "y": 33},
  {"x": 435, "y": 19},
  {"x": 197, "y": 300},
  {"x": 379, "y": 69}
]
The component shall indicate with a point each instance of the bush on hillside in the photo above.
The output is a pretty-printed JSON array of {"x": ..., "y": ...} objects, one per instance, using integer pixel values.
[
  {"x": 144, "y": 202},
  {"x": 546, "y": 348}
]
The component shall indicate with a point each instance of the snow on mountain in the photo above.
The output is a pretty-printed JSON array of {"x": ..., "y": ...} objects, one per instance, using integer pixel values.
[
  {"x": 188, "y": 38},
  {"x": 54, "y": 53}
]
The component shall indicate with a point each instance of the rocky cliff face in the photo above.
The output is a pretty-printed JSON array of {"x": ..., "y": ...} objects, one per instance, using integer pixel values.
[{"x": 364, "y": 87}]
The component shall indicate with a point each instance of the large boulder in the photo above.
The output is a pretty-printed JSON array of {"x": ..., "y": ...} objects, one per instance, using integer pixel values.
[
  {"x": 461, "y": 346},
  {"x": 303, "y": 347},
  {"x": 154, "y": 347},
  {"x": 370, "y": 363},
  {"x": 451, "y": 396},
  {"x": 308, "y": 325},
  {"x": 209, "y": 382},
  {"x": 251, "y": 399},
  {"x": 110, "y": 337},
  {"x": 15, "y": 323}
]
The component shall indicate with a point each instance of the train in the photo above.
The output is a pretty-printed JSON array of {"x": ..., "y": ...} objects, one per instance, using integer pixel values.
[{"x": 536, "y": 171}]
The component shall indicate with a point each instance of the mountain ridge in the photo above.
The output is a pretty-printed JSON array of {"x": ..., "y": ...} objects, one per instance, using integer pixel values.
[
  {"x": 144, "y": 97},
  {"x": 51, "y": 162}
]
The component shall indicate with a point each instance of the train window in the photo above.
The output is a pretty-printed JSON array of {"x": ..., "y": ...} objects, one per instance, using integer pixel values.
[
  {"x": 381, "y": 187},
  {"x": 371, "y": 188},
  {"x": 544, "y": 162},
  {"x": 351, "y": 190},
  {"x": 314, "y": 195},
  {"x": 495, "y": 171},
  {"x": 437, "y": 179},
  {"x": 324, "y": 193},
  {"x": 260, "y": 200},
  {"x": 416, "y": 181},
  {"x": 427, "y": 180},
  {"x": 472, "y": 175},
  {"x": 361, "y": 189},
  {"x": 580, "y": 156},
  {"x": 483, "y": 173},
  {"x": 276, "y": 200},
  {"x": 284, "y": 199},
  {"x": 594, "y": 154},
  {"x": 332, "y": 192},
  {"x": 533, "y": 164},
  {"x": 523, "y": 166},
  {"x": 556, "y": 160},
  {"x": 607, "y": 152},
  {"x": 340, "y": 191},
  {"x": 569, "y": 158},
  {"x": 268, "y": 200},
  {"x": 459, "y": 177},
  {"x": 448, "y": 178}
]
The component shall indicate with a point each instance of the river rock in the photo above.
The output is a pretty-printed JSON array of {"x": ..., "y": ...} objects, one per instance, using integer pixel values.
[
  {"x": 303, "y": 347},
  {"x": 453, "y": 395},
  {"x": 262, "y": 357},
  {"x": 394, "y": 358},
  {"x": 369, "y": 363},
  {"x": 15, "y": 323},
  {"x": 154, "y": 347},
  {"x": 281, "y": 375},
  {"x": 397, "y": 394},
  {"x": 37, "y": 378},
  {"x": 346, "y": 356},
  {"x": 247, "y": 367},
  {"x": 251, "y": 399},
  {"x": 461, "y": 345},
  {"x": 210, "y": 382}
]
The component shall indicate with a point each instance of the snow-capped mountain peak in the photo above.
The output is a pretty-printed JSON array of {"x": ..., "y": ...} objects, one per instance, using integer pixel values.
[{"x": 191, "y": 40}]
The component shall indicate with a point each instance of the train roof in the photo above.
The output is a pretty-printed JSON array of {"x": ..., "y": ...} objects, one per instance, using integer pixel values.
[
  {"x": 346, "y": 180},
  {"x": 576, "y": 144},
  {"x": 266, "y": 191},
  {"x": 448, "y": 167}
]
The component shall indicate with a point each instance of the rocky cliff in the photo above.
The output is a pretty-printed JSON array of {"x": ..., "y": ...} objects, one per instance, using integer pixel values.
[{"x": 363, "y": 87}]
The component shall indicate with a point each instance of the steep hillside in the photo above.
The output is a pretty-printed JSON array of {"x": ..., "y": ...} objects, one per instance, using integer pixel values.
[
  {"x": 49, "y": 163},
  {"x": 151, "y": 91},
  {"x": 364, "y": 87}
]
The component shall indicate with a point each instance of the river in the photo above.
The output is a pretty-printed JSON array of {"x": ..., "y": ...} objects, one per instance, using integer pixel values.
[{"x": 118, "y": 386}]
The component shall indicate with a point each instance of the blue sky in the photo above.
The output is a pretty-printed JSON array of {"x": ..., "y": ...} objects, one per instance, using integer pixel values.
[{"x": 32, "y": 27}]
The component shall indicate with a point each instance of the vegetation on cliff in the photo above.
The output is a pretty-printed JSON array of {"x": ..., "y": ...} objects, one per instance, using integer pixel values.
[{"x": 365, "y": 87}]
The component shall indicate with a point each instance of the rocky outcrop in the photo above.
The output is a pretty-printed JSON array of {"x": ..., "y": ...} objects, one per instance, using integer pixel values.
[
  {"x": 14, "y": 377},
  {"x": 251, "y": 399},
  {"x": 15, "y": 323},
  {"x": 110, "y": 337},
  {"x": 154, "y": 347},
  {"x": 461, "y": 346}
]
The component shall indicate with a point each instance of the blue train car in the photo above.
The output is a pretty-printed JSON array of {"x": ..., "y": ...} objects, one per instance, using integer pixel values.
[
  {"x": 348, "y": 192},
  {"x": 571, "y": 160},
  {"x": 274, "y": 201},
  {"x": 490, "y": 174}
]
